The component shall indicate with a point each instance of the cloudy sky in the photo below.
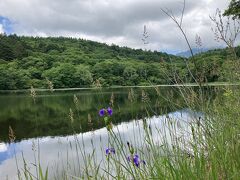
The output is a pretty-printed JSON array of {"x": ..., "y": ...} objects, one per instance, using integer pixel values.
[{"x": 112, "y": 21}]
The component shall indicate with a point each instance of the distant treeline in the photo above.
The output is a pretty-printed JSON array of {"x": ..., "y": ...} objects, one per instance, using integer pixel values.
[{"x": 70, "y": 62}]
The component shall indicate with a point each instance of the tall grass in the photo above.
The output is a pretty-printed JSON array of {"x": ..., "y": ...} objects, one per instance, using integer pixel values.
[{"x": 205, "y": 147}]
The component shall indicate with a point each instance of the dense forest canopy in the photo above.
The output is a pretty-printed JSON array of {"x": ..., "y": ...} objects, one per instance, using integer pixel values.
[{"x": 70, "y": 62}]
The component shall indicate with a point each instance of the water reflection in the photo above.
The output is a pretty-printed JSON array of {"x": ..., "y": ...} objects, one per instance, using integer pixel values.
[
  {"x": 49, "y": 116},
  {"x": 3, "y": 152},
  {"x": 58, "y": 153}
]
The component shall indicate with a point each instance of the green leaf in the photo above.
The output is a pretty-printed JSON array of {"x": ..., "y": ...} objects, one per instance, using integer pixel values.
[{"x": 106, "y": 120}]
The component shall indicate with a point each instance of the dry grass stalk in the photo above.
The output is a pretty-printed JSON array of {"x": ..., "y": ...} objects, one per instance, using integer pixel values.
[
  {"x": 11, "y": 135},
  {"x": 76, "y": 101},
  {"x": 97, "y": 83},
  {"x": 71, "y": 115},
  {"x": 131, "y": 95},
  {"x": 145, "y": 97},
  {"x": 50, "y": 85},
  {"x": 33, "y": 94},
  {"x": 90, "y": 120},
  {"x": 111, "y": 100}
]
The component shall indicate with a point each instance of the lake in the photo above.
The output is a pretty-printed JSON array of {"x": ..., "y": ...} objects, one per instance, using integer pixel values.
[{"x": 54, "y": 124}]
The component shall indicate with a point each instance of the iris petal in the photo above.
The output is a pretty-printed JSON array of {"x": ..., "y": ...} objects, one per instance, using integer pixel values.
[
  {"x": 101, "y": 112},
  {"x": 110, "y": 111}
]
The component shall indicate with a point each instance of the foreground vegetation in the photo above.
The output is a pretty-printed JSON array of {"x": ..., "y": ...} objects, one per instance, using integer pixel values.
[{"x": 208, "y": 147}]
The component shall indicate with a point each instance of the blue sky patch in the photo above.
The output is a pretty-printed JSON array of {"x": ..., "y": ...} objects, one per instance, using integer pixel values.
[{"x": 7, "y": 25}]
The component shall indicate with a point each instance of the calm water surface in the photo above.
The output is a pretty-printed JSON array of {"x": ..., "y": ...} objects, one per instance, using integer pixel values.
[{"x": 46, "y": 123}]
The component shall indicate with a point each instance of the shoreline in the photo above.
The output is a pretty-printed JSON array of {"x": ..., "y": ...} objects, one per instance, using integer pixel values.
[{"x": 116, "y": 87}]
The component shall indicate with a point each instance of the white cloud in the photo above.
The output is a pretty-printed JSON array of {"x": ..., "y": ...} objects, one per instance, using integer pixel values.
[
  {"x": 114, "y": 21},
  {"x": 1, "y": 29}
]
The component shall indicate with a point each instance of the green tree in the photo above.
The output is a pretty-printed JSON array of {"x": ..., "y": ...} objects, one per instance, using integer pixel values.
[
  {"x": 82, "y": 76},
  {"x": 233, "y": 9},
  {"x": 62, "y": 76},
  {"x": 12, "y": 78},
  {"x": 131, "y": 76}
]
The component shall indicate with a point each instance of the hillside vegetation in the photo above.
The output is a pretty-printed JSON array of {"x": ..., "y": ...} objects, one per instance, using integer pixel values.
[{"x": 69, "y": 63}]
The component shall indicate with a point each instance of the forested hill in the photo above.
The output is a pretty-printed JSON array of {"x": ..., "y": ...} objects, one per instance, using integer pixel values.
[
  {"x": 14, "y": 47},
  {"x": 69, "y": 62}
]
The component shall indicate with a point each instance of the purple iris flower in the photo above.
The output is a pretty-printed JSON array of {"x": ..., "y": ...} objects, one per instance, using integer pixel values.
[
  {"x": 101, "y": 112},
  {"x": 113, "y": 150},
  {"x": 110, "y": 151},
  {"x": 110, "y": 111},
  {"x": 136, "y": 160}
]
